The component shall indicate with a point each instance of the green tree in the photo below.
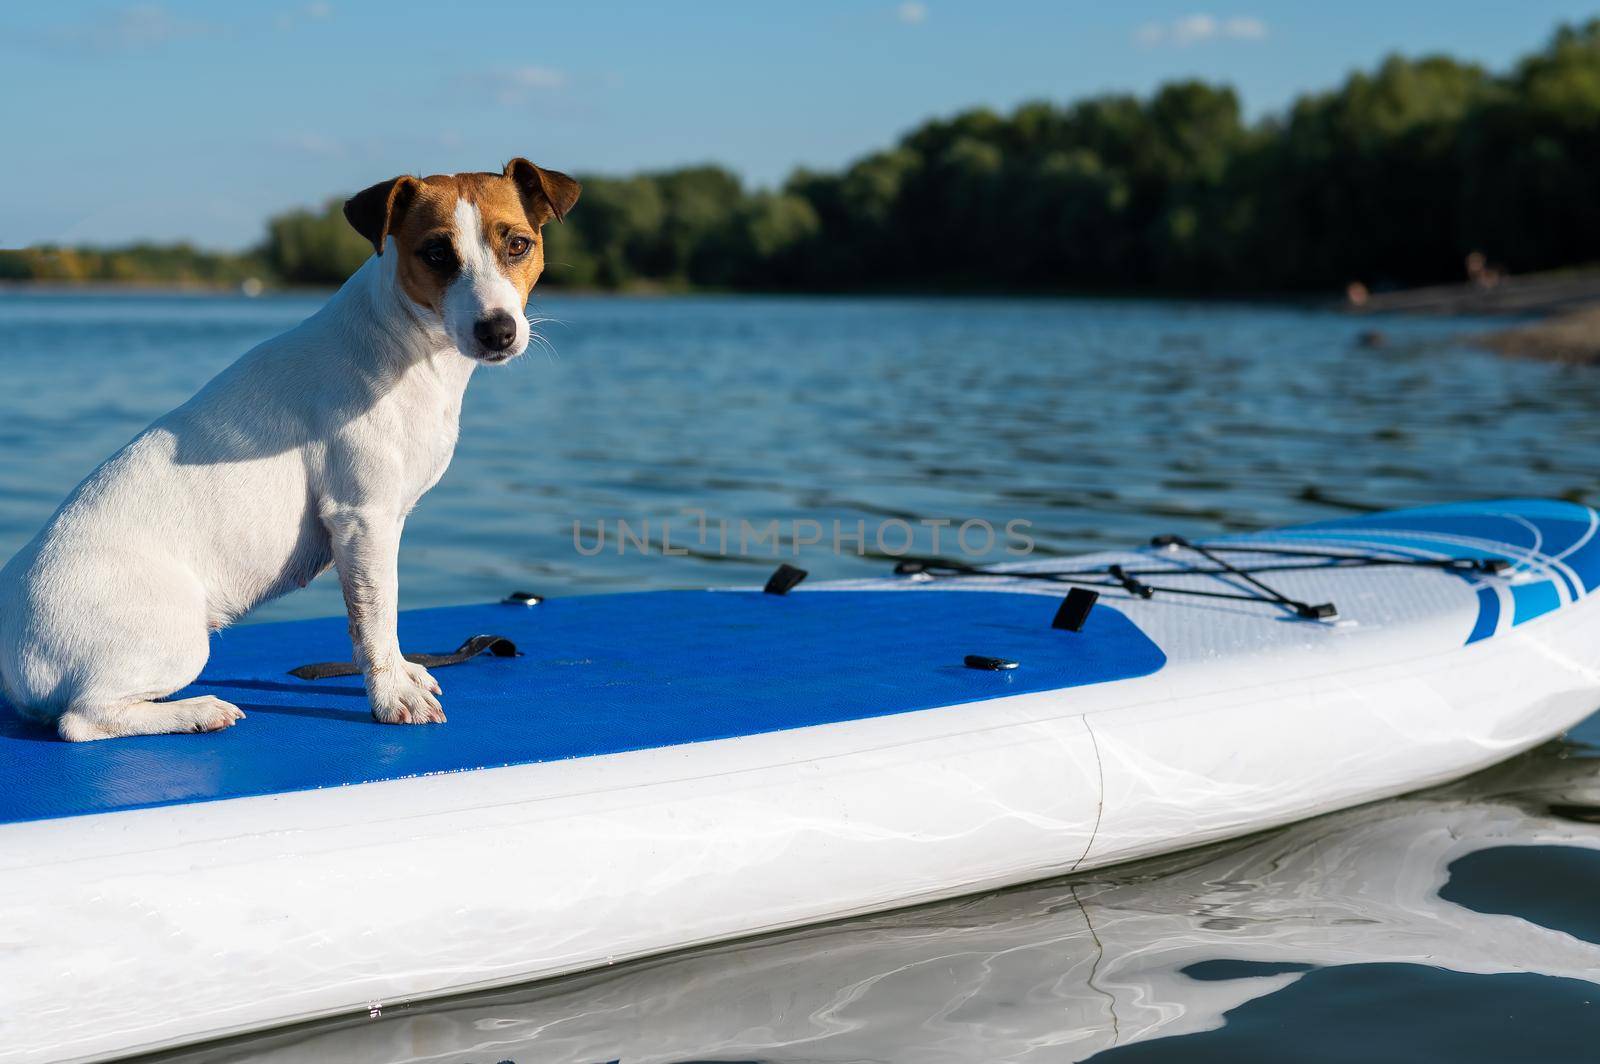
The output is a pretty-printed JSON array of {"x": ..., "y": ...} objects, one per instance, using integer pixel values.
[
  {"x": 1391, "y": 177},
  {"x": 314, "y": 247}
]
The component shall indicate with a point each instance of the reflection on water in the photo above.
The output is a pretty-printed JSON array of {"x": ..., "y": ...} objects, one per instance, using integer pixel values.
[
  {"x": 1398, "y": 1012},
  {"x": 1457, "y": 923},
  {"x": 1553, "y": 886}
]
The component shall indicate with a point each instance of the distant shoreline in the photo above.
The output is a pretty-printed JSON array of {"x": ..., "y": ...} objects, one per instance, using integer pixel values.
[
  {"x": 1563, "y": 308},
  {"x": 668, "y": 291},
  {"x": 1540, "y": 293},
  {"x": 150, "y": 288},
  {"x": 1571, "y": 336}
]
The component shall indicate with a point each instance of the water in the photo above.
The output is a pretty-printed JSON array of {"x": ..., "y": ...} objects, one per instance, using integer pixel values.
[
  {"x": 1099, "y": 423},
  {"x": 1456, "y": 924}
]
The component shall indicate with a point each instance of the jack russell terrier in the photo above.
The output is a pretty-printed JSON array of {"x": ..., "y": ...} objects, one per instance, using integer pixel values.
[{"x": 308, "y": 451}]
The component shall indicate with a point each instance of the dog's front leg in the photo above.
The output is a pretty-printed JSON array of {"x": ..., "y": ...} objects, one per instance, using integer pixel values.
[{"x": 366, "y": 548}]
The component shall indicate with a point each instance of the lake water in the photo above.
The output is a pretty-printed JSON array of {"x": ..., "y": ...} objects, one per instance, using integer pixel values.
[{"x": 1457, "y": 924}]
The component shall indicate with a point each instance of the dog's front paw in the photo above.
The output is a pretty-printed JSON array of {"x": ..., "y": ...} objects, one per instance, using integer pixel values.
[
  {"x": 422, "y": 678},
  {"x": 403, "y": 697}
]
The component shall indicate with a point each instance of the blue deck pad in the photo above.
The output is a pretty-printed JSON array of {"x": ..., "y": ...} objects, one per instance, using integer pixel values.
[{"x": 599, "y": 675}]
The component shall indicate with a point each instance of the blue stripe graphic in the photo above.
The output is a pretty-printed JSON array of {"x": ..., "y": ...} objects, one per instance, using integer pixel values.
[
  {"x": 1532, "y": 600},
  {"x": 1488, "y": 614}
]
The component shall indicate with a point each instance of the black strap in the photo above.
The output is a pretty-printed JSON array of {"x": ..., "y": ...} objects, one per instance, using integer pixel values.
[
  {"x": 1075, "y": 609},
  {"x": 497, "y": 645},
  {"x": 784, "y": 579}
]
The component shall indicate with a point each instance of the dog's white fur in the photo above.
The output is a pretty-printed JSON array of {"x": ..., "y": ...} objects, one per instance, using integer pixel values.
[{"x": 308, "y": 451}]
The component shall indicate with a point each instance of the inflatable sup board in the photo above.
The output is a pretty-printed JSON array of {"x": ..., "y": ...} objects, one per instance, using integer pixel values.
[{"x": 627, "y": 774}]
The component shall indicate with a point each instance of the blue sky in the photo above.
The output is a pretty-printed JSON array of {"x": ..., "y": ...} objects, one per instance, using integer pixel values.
[{"x": 184, "y": 120}]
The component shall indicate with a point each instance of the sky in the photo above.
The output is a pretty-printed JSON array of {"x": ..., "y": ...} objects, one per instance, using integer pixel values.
[{"x": 195, "y": 121}]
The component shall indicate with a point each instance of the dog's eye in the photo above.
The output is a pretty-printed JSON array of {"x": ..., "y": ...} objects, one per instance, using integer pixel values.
[
  {"x": 440, "y": 256},
  {"x": 518, "y": 246}
]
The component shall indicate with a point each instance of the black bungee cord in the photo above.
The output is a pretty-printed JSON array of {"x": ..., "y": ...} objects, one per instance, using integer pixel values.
[{"x": 1133, "y": 580}]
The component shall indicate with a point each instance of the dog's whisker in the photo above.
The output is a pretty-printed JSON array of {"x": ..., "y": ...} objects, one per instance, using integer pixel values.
[
  {"x": 536, "y": 337},
  {"x": 545, "y": 345}
]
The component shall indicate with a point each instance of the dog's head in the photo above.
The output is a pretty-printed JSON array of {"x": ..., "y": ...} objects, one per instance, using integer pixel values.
[{"x": 468, "y": 247}]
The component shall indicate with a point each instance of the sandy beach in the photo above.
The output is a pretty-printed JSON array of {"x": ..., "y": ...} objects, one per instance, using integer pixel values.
[{"x": 1562, "y": 311}]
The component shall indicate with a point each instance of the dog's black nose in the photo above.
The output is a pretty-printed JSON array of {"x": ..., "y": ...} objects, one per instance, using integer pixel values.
[{"x": 496, "y": 332}]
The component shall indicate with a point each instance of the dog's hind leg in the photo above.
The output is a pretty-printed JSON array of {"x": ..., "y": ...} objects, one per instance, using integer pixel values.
[
  {"x": 102, "y": 651},
  {"x": 202, "y": 713}
]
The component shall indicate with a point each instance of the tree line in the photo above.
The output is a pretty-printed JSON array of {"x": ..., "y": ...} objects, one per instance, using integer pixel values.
[{"x": 1391, "y": 178}]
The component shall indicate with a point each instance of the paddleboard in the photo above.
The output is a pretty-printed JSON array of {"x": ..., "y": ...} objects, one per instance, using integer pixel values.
[{"x": 654, "y": 771}]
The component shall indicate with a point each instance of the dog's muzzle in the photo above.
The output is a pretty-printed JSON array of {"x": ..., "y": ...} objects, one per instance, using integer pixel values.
[{"x": 497, "y": 332}]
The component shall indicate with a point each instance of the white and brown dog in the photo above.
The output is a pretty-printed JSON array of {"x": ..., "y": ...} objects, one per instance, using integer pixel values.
[{"x": 308, "y": 451}]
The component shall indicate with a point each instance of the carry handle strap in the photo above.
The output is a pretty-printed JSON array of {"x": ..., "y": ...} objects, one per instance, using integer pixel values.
[{"x": 497, "y": 645}]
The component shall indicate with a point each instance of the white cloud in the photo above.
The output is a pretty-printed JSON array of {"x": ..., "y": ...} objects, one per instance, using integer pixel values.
[
  {"x": 319, "y": 11},
  {"x": 1245, "y": 28},
  {"x": 912, "y": 13},
  {"x": 1198, "y": 29},
  {"x": 511, "y": 86},
  {"x": 138, "y": 28}
]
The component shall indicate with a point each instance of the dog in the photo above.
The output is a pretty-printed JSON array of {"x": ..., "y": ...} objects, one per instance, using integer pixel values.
[{"x": 309, "y": 451}]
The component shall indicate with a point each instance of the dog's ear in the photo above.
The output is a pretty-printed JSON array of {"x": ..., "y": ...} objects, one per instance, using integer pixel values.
[
  {"x": 374, "y": 212},
  {"x": 546, "y": 194}
]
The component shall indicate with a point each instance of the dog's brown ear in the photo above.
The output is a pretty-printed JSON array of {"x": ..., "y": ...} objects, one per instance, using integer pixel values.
[
  {"x": 545, "y": 194},
  {"x": 375, "y": 212}
]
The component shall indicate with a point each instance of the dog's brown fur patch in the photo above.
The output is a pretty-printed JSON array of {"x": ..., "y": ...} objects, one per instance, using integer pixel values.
[{"x": 419, "y": 212}]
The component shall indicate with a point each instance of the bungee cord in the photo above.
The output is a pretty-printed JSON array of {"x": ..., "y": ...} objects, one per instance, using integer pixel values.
[{"x": 1135, "y": 580}]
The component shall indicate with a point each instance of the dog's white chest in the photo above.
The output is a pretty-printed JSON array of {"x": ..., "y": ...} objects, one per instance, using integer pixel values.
[
  {"x": 436, "y": 449},
  {"x": 426, "y": 426}
]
